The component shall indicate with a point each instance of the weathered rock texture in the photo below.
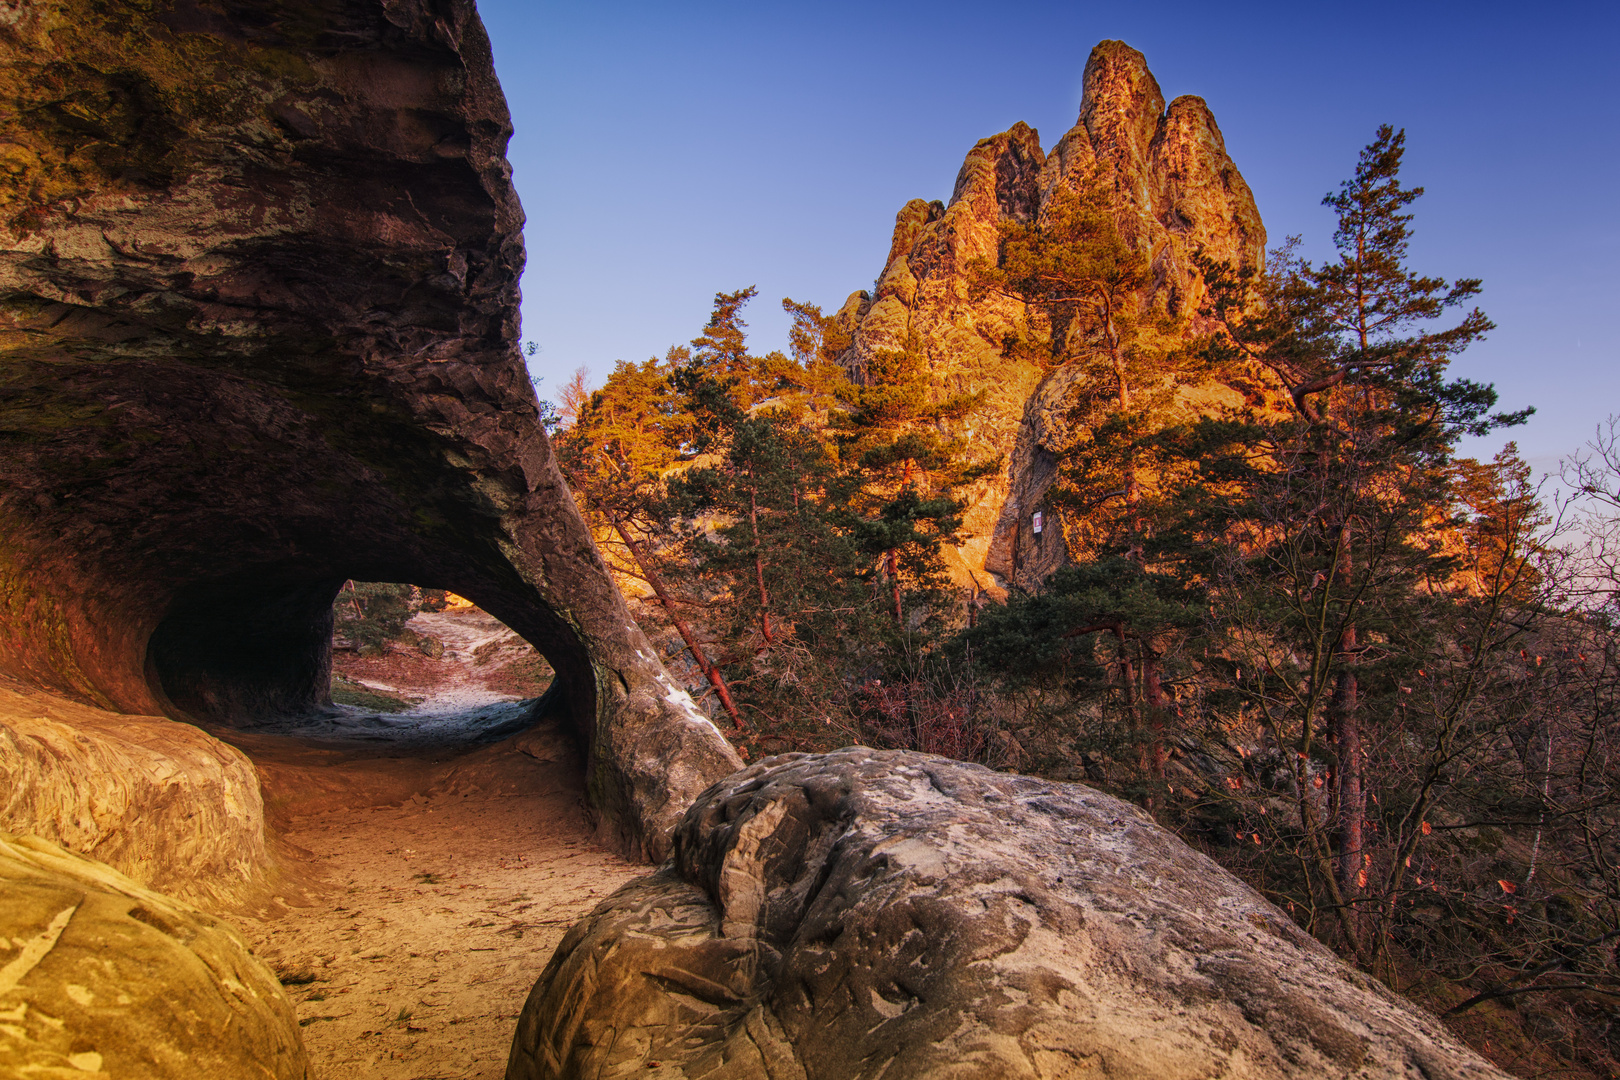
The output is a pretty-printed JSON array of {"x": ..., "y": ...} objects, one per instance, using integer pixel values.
[
  {"x": 864, "y": 914},
  {"x": 258, "y": 301},
  {"x": 162, "y": 802},
  {"x": 1177, "y": 194},
  {"x": 100, "y": 977}
]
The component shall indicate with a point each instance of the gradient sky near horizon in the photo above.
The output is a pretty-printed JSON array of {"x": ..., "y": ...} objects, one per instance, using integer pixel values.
[{"x": 668, "y": 151}]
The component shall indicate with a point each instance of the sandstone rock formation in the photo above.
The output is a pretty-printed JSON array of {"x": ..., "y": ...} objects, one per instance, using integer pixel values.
[
  {"x": 159, "y": 801},
  {"x": 258, "y": 296},
  {"x": 866, "y": 914},
  {"x": 100, "y": 977},
  {"x": 1177, "y": 194}
]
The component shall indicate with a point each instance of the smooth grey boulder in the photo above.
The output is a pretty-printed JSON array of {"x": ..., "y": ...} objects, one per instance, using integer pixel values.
[{"x": 869, "y": 914}]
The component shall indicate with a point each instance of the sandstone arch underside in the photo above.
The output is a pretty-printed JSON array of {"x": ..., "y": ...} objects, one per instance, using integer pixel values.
[{"x": 258, "y": 335}]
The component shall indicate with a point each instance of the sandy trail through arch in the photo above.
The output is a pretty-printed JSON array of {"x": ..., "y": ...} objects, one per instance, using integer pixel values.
[{"x": 425, "y": 887}]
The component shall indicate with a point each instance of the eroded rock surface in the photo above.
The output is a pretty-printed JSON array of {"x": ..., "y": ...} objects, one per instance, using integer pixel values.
[
  {"x": 258, "y": 303},
  {"x": 871, "y": 914},
  {"x": 101, "y": 977},
  {"x": 162, "y": 802},
  {"x": 1177, "y": 194}
]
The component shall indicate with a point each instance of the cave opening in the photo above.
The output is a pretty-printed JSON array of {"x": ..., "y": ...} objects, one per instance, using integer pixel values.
[
  {"x": 414, "y": 664},
  {"x": 349, "y": 660},
  {"x": 416, "y": 779}
]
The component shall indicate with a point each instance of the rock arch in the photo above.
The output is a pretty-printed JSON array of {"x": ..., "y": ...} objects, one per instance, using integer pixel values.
[{"x": 258, "y": 334}]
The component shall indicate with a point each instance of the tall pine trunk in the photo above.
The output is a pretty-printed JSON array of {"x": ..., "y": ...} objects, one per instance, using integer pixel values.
[
  {"x": 891, "y": 566},
  {"x": 1350, "y": 791},
  {"x": 1153, "y": 698},
  {"x": 759, "y": 569}
]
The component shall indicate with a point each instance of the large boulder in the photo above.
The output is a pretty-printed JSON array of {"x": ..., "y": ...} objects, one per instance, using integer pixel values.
[
  {"x": 101, "y": 977},
  {"x": 871, "y": 914},
  {"x": 162, "y": 802},
  {"x": 258, "y": 335}
]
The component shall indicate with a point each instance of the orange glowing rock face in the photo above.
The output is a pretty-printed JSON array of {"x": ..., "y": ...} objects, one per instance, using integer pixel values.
[{"x": 1180, "y": 195}]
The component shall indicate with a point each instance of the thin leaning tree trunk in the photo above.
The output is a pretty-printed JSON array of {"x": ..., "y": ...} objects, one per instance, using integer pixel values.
[
  {"x": 710, "y": 672},
  {"x": 759, "y": 571}
]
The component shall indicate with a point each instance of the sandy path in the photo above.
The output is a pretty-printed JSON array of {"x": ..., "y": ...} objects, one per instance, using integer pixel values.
[
  {"x": 432, "y": 895},
  {"x": 425, "y": 888}
]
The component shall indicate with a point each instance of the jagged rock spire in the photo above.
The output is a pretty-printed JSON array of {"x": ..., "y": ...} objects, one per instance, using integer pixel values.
[{"x": 1178, "y": 194}]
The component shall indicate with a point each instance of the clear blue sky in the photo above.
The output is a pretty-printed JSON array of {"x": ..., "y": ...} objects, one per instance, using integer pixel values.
[{"x": 667, "y": 151}]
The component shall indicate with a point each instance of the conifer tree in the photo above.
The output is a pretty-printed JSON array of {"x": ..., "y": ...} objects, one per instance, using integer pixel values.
[
  {"x": 814, "y": 338},
  {"x": 1121, "y": 359},
  {"x": 900, "y": 467},
  {"x": 1340, "y": 518},
  {"x": 816, "y": 342},
  {"x": 781, "y": 561},
  {"x": 720, "y": 353},
  {"x": 1074, "y": 267},
  {"x": 627, "y": 436}
]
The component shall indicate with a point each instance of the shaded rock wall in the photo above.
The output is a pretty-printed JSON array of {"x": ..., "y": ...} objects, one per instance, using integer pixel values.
[
  {"x": 1177, "y": 194},
  {"x": 100, "y": 977},
  {"x": 258, "y": 301},
  {"x": 864, "y": 914},
  {"x": 159, "y": 801}
]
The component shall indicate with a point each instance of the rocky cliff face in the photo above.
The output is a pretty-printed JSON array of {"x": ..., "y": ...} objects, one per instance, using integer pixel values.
[
  {"x": 258, "y": 294},
  {"x": 866, "y": 914},
  {"x": 1177, "y": 194}
]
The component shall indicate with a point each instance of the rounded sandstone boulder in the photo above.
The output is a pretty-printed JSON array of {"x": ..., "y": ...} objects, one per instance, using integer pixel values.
[
  {"x": 101, "y": 977},
  {"x": 869, "y": 914},
  {"x": 163, "y": 802}
]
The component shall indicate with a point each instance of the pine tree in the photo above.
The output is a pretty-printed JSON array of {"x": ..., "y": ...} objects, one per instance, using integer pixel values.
[
  {"x": 773, "y": 552},
  {"x": 1338, "y": 526},
  {"x": 900, "y": 467},
  {"x": 720, "y": 353},
  {"x": 776, "y": 553},
  {"x": 628, "y": 435},
  {"x": 1123, "y": 361},
  {"x": 1075, "y": 269},
  {"x": 814, "y": 338},
  {"x": 818, "y": 383}
]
